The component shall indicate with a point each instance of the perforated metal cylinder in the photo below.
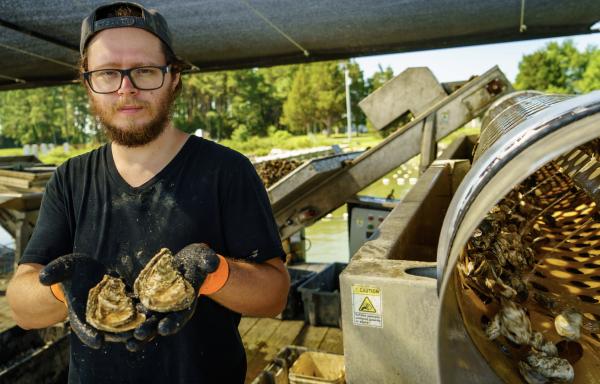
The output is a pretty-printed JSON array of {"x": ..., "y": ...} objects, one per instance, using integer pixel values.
[{"x": 520, "y": 247}]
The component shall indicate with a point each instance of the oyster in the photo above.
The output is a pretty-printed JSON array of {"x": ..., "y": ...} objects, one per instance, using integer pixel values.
[
  {"x": 511, "y": 322},
  {"x": 568, "y": 324},
  {"x": 539, "y": 368},
  {"x": 110, "y": 309},
  {"x": 160, "y": 287}
]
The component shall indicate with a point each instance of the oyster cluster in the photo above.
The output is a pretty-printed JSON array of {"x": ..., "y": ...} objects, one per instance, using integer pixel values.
[
  {"x": 159, "y": 287},
  {"x": 273, "y": 170}
]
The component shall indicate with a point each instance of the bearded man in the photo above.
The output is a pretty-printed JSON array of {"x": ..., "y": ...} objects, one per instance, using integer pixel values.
[{"x": 108, "y": 212}]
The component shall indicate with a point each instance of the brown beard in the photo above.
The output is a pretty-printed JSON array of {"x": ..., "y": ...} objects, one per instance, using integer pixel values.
[{"x": 135, "y": 135}]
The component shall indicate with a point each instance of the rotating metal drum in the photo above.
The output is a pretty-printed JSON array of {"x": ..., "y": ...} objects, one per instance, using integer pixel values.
[{"x": 519, "y": 251}]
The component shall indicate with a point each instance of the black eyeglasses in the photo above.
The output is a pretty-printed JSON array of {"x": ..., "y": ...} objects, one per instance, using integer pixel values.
[{"x": 145, "y": 78}]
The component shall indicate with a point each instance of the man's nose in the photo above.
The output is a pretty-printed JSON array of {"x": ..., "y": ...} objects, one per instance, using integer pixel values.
[{"x": 127, "y": 86}]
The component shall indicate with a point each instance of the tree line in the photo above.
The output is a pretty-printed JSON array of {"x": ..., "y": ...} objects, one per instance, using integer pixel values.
[
  {"x": 236, "y": 104},
  {"x": 299, "y": 99}
]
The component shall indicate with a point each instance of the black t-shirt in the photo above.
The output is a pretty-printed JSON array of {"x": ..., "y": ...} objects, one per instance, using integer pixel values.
[{"x": 207, "y": 193}]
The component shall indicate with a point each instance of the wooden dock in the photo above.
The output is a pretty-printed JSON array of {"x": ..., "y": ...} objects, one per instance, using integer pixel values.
[{"x": 264, "y": 337}]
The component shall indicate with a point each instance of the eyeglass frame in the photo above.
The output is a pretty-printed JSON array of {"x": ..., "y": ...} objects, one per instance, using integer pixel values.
[{"x": 126, "y": 72}]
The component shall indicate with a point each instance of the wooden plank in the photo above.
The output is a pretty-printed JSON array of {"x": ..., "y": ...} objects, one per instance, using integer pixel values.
[
  {"x": 333, "y": 342},
  {"x": 284, "y": 335},
  {"x": 260, "y": 332},
  {"x": 14, "y": 182},
  {"x": 311, "y": 337},
  {"x": 246, "y": 323},
  {"x": 17, "y": 174}
]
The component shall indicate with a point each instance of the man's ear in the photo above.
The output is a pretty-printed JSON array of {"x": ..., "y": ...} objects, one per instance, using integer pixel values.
[{"x": 176, "y": 80}]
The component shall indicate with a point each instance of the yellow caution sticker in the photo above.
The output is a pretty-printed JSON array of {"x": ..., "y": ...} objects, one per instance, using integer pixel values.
[{"x": 367, "y": 309}]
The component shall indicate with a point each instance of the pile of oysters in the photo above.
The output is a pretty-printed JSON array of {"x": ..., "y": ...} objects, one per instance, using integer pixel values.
[
  {"x": 272, "y": 171},
  {"x": 159, "y": 287}
]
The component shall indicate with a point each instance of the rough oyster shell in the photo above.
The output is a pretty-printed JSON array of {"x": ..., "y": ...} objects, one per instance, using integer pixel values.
[
  {"x": 110, "y": 309},
  {"x": 160, "y": 287},
  {"x": 538, "y": 368}
]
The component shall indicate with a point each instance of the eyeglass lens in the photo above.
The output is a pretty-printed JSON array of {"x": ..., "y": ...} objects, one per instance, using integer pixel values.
[{"x": 143, "y": 78}]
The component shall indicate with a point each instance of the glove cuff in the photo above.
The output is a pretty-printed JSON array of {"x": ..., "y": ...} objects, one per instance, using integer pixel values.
[
  {"x": 58, "y": 293},
  {"x": 216, "y": 280}
]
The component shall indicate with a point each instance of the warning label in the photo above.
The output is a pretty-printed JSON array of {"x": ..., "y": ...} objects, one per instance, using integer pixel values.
[{"x": 366, "y": 306}]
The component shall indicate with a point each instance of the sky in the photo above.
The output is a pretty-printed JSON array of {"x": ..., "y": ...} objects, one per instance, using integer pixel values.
[{"x": 454, "y": 64}]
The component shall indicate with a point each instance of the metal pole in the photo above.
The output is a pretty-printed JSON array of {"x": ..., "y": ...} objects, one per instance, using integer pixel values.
[{"x": 348, "y": 108}]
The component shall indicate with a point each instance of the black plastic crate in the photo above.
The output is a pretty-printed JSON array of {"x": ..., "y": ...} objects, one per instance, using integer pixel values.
[
  {"x": 321, "y": 296},
  {"x": 294, "y": 309}
]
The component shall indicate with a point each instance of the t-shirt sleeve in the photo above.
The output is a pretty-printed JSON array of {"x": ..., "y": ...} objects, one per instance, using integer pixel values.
[
  {"x": 51, "y": 236},
  {"x": 248, "y": 223}
]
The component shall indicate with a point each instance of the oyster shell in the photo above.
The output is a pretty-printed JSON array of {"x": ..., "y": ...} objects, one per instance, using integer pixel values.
[
  {"x": 568, "y": 324},
  {"x": 160, "y": 287},
  {"x": 539, "y": 368},
  {"x": 110, "y": 309},
  {"x": 511, "y": 322}
]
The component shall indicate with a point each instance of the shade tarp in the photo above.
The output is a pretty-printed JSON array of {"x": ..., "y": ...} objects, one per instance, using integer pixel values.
[{"x": 39, "y": 38}]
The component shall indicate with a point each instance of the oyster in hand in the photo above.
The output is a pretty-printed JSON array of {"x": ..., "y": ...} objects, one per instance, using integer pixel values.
[
  {"x": 160, "y": 287},
  {"x": 110, "y": 309}
]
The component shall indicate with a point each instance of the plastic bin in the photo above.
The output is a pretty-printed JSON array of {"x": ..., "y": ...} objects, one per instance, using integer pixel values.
[
  {"x": 321, "y": 296},
  {"x": 294, "y": 309},
  {"x": 317, "y": 367}
]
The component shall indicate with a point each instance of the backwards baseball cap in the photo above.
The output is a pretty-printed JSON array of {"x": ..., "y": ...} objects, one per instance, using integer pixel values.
[{"x": 104, "y": 18}]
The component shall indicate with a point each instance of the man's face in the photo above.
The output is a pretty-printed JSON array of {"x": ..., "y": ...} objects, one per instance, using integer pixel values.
[{"x": 131, "y": 117}]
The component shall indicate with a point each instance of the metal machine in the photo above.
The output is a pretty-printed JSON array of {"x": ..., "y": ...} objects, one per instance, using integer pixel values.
[
  {"x": 320, "y": 186},
  {"x": 505, "y": 288},
  {"x": 536, "y": 175}
]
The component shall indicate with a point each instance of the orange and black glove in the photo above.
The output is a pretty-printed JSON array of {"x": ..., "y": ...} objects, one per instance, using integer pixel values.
[
  {"x": 206, "y": 271},
  {"x": 70, "y": 278}
]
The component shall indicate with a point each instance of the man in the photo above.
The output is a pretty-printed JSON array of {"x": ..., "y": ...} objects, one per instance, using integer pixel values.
[{"x": 152, "y": 187}]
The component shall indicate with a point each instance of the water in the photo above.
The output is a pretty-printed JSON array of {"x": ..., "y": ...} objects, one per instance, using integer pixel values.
[{"x": 327, "y": 239}]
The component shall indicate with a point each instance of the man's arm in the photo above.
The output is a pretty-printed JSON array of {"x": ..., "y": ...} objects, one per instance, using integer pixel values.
[
  {"x": 32, "y": 304},
  {"x": 255, "y": 289}
]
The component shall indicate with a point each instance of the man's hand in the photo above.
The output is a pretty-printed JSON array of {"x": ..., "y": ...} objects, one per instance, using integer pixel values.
[
  {"x": 206, "y": 271},
  {"x": 77, "y": 274}
]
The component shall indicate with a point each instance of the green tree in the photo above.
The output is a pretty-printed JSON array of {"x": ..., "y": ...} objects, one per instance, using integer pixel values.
[
  {"x": 590, "y": 80},
  {"x": 300, "y": 107},
  {"x": 280, "y": 80},
  {"x": 328, "y": 87},
  {"x": 379, "y": 78},
  {"x": 46, "y": 115},
  {"x": 358, "y": 91},
  {"x": 555, "y": 68}
]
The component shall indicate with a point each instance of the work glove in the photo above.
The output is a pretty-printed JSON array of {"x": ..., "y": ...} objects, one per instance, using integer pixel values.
[
  {"x": 72, "y": 276},
  {"x": 206, "y": 271}
]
